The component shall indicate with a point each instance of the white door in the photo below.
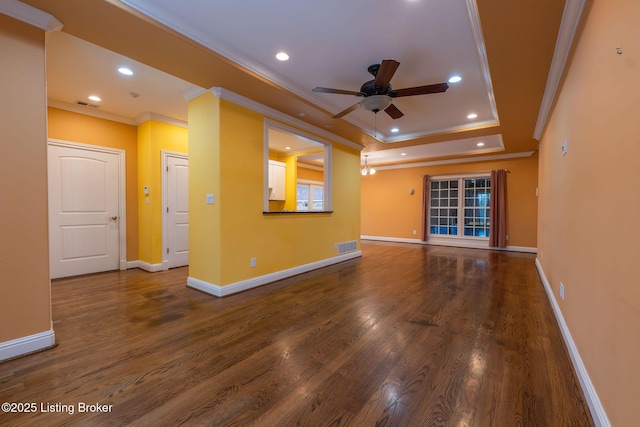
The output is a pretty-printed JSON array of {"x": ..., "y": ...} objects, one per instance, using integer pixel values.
[
  {"x": 83, "y": 211},
  {"x": 177, "y": 211}
]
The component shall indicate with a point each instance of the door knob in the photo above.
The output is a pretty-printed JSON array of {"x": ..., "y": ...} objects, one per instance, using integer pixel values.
[{"x": 114, "y": 218}]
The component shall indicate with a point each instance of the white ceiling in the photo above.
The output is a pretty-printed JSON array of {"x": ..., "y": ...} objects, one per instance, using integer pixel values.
[
  {"x": 77, "y": 69},
  {"x": 330, "y": 43}
]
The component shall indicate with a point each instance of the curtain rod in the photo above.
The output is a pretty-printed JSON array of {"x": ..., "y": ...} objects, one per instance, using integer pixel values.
[{"x": 469, "y": 173}]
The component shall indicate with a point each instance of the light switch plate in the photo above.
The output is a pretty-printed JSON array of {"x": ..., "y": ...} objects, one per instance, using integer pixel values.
[{"x": 210, "y": 199}]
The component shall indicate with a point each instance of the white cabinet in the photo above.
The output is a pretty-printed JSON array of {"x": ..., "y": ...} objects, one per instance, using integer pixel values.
[{"x": 277, "y": 179}]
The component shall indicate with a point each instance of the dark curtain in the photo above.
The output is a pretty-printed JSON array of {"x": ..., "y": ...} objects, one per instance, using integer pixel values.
[
  {"x": 426, "y": 183},
  {"x": 498, "y": 210}
]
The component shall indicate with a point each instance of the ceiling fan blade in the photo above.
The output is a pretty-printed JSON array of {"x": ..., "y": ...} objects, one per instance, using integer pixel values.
[
  {"x": 419, "y": 90},
  {"x": 347, "y": 111},
  {"x": 393, "y": 112},
  {"x": 385, "y": 72},
  {"x": 338, "y": 91}
]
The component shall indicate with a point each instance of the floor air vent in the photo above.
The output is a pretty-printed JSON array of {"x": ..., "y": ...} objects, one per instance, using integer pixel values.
[{"x": 345, "y": 247}]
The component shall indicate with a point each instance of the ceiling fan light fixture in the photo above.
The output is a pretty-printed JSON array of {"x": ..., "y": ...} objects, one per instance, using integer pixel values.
[{"x": 376, "y": 103}]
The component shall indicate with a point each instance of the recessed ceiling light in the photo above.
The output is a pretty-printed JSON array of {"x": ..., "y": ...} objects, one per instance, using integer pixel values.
[
  {"x": 301, "y": 114},
  {"x": 282, "y": 56},
  {"x": 126, "y": 71},
  {"x": 394, "y": 130},
  {"x": 455, "y": 79},
  {"x": 480, "y": 144},
  {"x": 287, "y": 148},
  {"x": 95, "y": 98},
  {"x": 403, "y": 154},
  {"x": 472, "y": 116}
]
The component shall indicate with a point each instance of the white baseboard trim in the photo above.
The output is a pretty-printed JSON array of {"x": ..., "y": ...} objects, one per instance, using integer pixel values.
[
  {"x": 26, "y": 345},
  {"x": 460, "y": 243},
  {"x": 595, "y": 405},
  {"x": 221, "y": 291},
  {"x": 393, "y": 239},
  {"x": 151, "y": 268}
]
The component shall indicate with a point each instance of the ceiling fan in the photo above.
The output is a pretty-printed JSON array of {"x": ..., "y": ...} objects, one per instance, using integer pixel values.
[{"x": 378, "y": 93}]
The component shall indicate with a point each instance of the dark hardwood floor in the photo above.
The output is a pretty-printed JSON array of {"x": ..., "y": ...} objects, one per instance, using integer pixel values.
[{"x": 407, "y": 335}]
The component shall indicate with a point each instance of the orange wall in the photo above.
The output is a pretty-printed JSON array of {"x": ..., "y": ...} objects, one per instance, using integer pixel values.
[
  {"x": 310, "y": 174},
  {"x": 589, "y": 204},
  {"x": 25, "y": 307},
  {"x": 389, "y": 210},
  {"x": 74, "y": 127}
]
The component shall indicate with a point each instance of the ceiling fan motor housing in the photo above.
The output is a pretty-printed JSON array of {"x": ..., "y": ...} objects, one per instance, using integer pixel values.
[{"x": 369, "y": 89}]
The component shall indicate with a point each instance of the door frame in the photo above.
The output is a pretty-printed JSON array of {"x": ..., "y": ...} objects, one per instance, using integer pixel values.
[
  {"x": 165, "y": 154},
  {"x": 122, "y": 188}
]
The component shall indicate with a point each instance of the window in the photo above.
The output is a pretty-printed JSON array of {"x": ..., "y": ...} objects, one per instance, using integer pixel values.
[
  {"x": 460, "y": 207},
  {"x": 309, "y": 197}
]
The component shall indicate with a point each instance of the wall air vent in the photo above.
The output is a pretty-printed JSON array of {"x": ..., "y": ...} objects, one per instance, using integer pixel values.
[
  {"x": 346, "y": 247},
  {"x": 86, "y": 104}
]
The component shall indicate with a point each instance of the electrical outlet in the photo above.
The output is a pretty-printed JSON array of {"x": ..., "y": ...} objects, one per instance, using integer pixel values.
[
  {"x": 414, "y": 232},
  {"x": 561, "y": 291},
  {"x": 253, "y": 262}
]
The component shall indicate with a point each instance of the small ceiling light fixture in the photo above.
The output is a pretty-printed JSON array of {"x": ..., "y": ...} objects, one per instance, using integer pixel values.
[
  {"x": 282, "y": 56},
  {"x": 287, "y": 148},
  {"x": 126, "y": 71},
  {"x": 455, "y": 79},
  {"x": 403, "y": 154},
  {"x": 95, "y": 98},
  {"x": 480, "y": 144},
  {"x": 366, "y": 169},
  {"x": 376, "y": 103},
  {"x": 395, "y": 130},
  {"x": 472, "y": 116}
]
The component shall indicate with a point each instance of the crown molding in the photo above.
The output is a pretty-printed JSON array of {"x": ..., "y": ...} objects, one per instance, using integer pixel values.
[
  {"x": 145, "y": 117},
  {"x": 454, "y": 161},
  {"x": 571, "y": 18},
  {"x": 90, "y": 112},
  {"x": 114, "y": 117},
  {"x": 29, "y": 14},
  {"x": 277, "y": 115},
  {"x": 476, "y": 28}
]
